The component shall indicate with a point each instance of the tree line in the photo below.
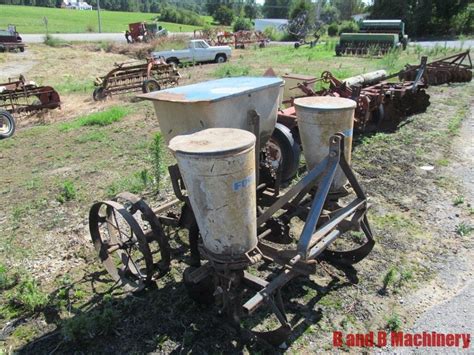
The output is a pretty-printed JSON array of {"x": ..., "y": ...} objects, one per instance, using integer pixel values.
[{"x": 422, "y": 17}]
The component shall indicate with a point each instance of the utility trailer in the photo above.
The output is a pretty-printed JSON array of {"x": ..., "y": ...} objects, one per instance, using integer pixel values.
[
  {"x": 153, "y": 75},
  {"x": 10, "y": 40},
  {"x": 20, "y": 98},
  {"x": 236, "y": 218}
]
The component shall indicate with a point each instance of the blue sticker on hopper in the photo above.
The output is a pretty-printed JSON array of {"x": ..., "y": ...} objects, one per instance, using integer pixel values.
[
  {"x": 347, "y": 132},
  {"x": 238, "y": 185}
]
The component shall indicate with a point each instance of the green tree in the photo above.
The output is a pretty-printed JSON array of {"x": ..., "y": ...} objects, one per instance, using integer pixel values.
[
  {"x": 224, "y": 15},
  {"x": 250, "y": 9},
  {"x": 276, "y": 8}
]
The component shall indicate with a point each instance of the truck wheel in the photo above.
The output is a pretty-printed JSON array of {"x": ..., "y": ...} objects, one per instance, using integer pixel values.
[
  {"x": 22, "y": 49},
  {"x": 221, "y": 58},
  {"x": 150, "y": 85},
  {"x": 99, "y": 94},
  {"x": 174, "y": 61},
  {"x": 7, "y": 124},
  {"x": 290, "y": 151}
]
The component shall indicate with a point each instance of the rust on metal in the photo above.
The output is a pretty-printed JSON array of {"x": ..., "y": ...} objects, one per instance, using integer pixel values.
[
  {"x": 149, "y": 76},
  {"x": 456, "y": 68}
]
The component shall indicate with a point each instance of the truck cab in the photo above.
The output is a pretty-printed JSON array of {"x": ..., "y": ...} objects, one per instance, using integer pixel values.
[{"x": 198, "y": 51}]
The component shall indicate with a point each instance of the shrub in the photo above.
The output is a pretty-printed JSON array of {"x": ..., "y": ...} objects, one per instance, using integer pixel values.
[
  {"x": 242, "y": 24},
  {"x": 224, "y": 15},
  {"x": 54, "y": 42},
  {"x": 185, "y": 17},
  {"x": 28, "y": 296},
  {"x": 333, "y": 29},
  {"x": 68, "y": 192},
  {"x": 273, "y": 34},
  {"x": 156, "y": 152},
  {"x": 348, "y": 27}
]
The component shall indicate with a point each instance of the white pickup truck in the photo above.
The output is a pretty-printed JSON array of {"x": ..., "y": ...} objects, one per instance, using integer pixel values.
[{"x": 198, "y": 51}]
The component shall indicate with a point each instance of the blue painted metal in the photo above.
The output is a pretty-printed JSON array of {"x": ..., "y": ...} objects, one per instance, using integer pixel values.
[{"x": 216, "y": 90}]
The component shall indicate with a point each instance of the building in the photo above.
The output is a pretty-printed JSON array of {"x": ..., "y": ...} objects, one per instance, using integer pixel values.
[{"x": 76, "y": 5}]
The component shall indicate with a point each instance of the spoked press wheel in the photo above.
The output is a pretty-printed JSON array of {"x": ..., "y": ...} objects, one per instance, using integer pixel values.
[
  {"x": 7, "y": 124},
  {"x": 355, "y": 254},
  {"x": 152, "y": 228},
  {"x": 122, "y": 246}
]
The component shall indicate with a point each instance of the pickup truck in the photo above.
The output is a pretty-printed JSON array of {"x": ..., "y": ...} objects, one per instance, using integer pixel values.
[{"x": 198, "y": 51}]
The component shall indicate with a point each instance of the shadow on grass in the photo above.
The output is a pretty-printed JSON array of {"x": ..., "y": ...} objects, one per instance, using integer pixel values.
[{"x": 166, "y": 319}]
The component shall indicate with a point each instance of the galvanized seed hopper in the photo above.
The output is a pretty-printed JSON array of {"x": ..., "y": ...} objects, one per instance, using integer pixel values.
[{"x": 234, "y": 219}]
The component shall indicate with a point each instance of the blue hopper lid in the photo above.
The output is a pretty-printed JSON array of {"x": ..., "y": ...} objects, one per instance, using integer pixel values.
[{"x": 214, "y": 90}]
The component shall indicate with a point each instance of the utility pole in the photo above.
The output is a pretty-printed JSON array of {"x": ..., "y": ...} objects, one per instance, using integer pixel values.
[
  {"x": 318, "y": 10},
  {"x": 98, "y": 16}
]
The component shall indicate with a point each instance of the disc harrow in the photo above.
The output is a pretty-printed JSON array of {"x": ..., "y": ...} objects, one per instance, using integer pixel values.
[
  {"x": 381, "y": 106},
  {"x": 127, "y": 77},
  {"x": 453, "y": 69}
]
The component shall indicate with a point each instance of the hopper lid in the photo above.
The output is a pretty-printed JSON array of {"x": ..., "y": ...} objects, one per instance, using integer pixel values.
[
  {"x": 214, "y": 90},
  {"x": 325, "y": 103},
  {"x": 213, "y": 141}
]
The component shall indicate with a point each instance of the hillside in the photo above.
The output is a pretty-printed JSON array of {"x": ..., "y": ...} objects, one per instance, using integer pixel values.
[{"x": 29, "y": 19}]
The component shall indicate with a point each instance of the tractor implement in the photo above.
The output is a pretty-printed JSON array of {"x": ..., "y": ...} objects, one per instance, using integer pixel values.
[
  {"x": 21, "y": 98},
  {"x": 453, "y": 69},
  {"x": 234, "y": 216},
  {"x": 153, "y": 75},
  {"x": 381, "y": 104}
]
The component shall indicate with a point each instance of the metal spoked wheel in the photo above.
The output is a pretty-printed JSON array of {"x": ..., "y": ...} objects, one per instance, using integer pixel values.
[
  {"x": 99, "y": 94},
  {"x": 150, "y": 85},
  {"x": 122, "y": 246},
  {"x": 152, "y": 229},
  {"x": 7, "y": 124}
]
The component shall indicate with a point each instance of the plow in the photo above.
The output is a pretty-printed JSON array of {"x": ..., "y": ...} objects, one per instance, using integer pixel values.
[
  {"x": 127, "y": 77},
  {"x": 235, "y": 216},
  {"x": 453, "y": 69},
  {"x": 380, "y": 105},
  {"x": 21, "y": 98}
]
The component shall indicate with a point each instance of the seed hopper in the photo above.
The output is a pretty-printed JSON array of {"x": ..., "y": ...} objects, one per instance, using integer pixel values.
[
  {"x": 20, "y": 98},
  {"x": 237, "y": 219},
  {"x": 153, "y": 75}
]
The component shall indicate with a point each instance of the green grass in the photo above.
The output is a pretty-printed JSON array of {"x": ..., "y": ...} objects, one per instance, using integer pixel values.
[
  {"x": 68, "y": 192},
  {"x": 29, "y": 19},
  {"x": 136, "y": 183},
  {"x": 102, "y": 118}
]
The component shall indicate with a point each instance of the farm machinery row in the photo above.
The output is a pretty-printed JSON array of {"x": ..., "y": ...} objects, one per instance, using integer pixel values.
[
  {"x": 381, "y": 102},
  {"x": 21, "y": 98},
  {"x": 238, "y": 39}
]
